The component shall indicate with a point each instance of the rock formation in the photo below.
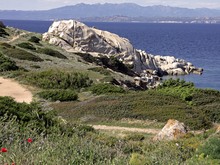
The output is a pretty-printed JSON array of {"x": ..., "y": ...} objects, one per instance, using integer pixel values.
[
  {"x": 171, "y": 131},
  {"x": 75, "y": 36}
]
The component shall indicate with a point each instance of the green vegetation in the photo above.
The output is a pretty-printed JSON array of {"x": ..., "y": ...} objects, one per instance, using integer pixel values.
[
  {"x": 6, "y": 64},
  {"x": 34, "y": 39},
  {"x": 101, "y": 70},
  {"x": 150, "y": 105},
  {"x": 56, "y": 79},
  {"x": 26, "y": 114},
  {"x": 211, "y": 148},
  {"x": 59, "y": 94},
  {"x": 52, "y": 53},
  {"x": 59, "y": 140},
  {"x": 106, "y": 88},
  {"x": 26, "y": 45},
  {"x": 12, "y": 51},
  {"x": 3, "y": 33}
]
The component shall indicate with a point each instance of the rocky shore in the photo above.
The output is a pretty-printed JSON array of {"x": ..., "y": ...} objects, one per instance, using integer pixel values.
[{"x": 74, "y": 36}]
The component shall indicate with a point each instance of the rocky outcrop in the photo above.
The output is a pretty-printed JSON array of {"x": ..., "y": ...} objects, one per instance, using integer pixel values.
[
  {"x": 75, "y": 36},
  {"x": 172, "y": 131}
]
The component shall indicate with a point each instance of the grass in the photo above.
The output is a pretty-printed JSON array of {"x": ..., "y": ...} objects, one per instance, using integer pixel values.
[
  {"x": 149, "y": 105},
  {"x": 52, "y": 53},
  {"x": 13, "y": 52}
]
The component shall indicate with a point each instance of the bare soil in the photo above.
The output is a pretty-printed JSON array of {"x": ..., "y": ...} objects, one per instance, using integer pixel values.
[
  {"x": 140, "y": 130},
  {"x": 9, "y": 87}
]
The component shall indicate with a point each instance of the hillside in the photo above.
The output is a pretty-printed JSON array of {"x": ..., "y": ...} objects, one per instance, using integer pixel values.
[
  {"x": 73, "y": 96},
  {"x": 82, "y": 11}
]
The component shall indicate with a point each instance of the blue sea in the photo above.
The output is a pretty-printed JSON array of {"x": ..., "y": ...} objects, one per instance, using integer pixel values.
[{"x": 197, "y": 43}]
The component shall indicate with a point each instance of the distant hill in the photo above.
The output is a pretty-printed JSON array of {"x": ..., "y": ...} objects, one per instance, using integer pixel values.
[{"x": 82, "y": 10}]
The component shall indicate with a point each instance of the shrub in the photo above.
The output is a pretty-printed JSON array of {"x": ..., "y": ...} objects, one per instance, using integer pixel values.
[
  {"x": 56, "y": 79},
  {"x": 52, "y": 53},
  {"x": 106, "y": 88},
  {"x": 14, "y": 52},
  {"x": 5, "y": 45},
  {"x": 26, "y": 114},
  {"x": 26, "y": 45},
  {"x": 135, "y": 137},
  {"x": 178, "y": 88},
  {"x": 2, "y": 25},
  {"x": 211, "y": 148},
  {"x": 61, "y": 95},
  {"x": 3, "y": 33},
  {"x": 137, "y": 159},
  {"x": 34, "y": 39},
  {"x": 176, "y": 83},
  {"x": 101, "y": 70},
  {"x": 6, "y": 64}
]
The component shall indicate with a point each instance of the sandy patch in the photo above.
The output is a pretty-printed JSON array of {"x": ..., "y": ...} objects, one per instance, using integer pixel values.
[{"x": 9, "y": 87}]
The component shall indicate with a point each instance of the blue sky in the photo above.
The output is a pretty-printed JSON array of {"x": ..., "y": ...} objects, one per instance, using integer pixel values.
[{"x": 49, "y": 4}]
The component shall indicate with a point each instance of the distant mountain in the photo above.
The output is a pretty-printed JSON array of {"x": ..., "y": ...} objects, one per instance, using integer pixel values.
[{"x": 108, "y": 10}]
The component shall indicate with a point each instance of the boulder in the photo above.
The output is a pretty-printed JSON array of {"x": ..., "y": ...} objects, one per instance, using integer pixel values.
[
  {"x": 172, "y": 131},
  {"x": 75, "y": 36}
]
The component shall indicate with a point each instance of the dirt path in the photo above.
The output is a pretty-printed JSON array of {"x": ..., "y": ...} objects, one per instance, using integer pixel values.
[
  {"x": 9, "y": 87},
  {"x": 16, "y": 37},
  {"x": 141, "y": 130}
]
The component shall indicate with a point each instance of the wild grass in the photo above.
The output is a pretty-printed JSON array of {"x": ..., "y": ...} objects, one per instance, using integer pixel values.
[
  {"x": 57, "y": 79},
  {"x": 12, "y": 51}
]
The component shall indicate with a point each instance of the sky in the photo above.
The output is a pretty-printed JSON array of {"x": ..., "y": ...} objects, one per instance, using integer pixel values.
[{"x": 49, "y": 4}]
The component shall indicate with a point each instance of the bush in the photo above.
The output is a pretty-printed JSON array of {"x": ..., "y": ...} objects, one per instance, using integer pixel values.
[
  {"x": 56, "y": 79},
  {"x": 137, "y": 159},
  {"x": 6, "y": 64},
  {"x": 106, "y": 88},
  {"x": 52, "y": 53},
  {"x": 61, "y": 95},
  {"x": 2, "y": 25},
  {"x": 14, "y": 52},
  {"x": 101, "y": 70},
  {"x": 211, "y": 148},
  {"x": 176, "y": 83},
  {"x": 26, "y": 45},
  {"x": 3, "y": 33},
  {"x": 34, "y": 39},
  {"x": 26, "y": 114},
  {"x": 178, "y": 88}
]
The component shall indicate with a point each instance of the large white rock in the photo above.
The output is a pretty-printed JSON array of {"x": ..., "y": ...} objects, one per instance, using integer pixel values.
[{"x": 75, "y": 36}]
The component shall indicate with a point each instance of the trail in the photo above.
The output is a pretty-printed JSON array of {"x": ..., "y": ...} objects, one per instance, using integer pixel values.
[
  {"x": 140, "y": 130},
  {"x": 16, "y": 37},
  {"x": 9, "y": 87}
]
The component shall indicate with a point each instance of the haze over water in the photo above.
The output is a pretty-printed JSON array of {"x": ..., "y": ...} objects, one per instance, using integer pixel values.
[{"x": 196, "y": 43}]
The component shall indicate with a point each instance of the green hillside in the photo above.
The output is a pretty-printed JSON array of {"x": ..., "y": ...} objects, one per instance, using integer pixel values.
[{"x": 72, "y": 92}]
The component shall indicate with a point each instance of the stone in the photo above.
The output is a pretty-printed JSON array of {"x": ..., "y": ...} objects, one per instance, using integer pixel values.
[
  {"x": 74, "y": 36},
  {"x": 172, "y": 131}
]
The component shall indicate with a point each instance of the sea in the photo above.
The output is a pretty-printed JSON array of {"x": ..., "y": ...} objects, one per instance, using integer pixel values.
[{"x": 196, "y": 43}]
